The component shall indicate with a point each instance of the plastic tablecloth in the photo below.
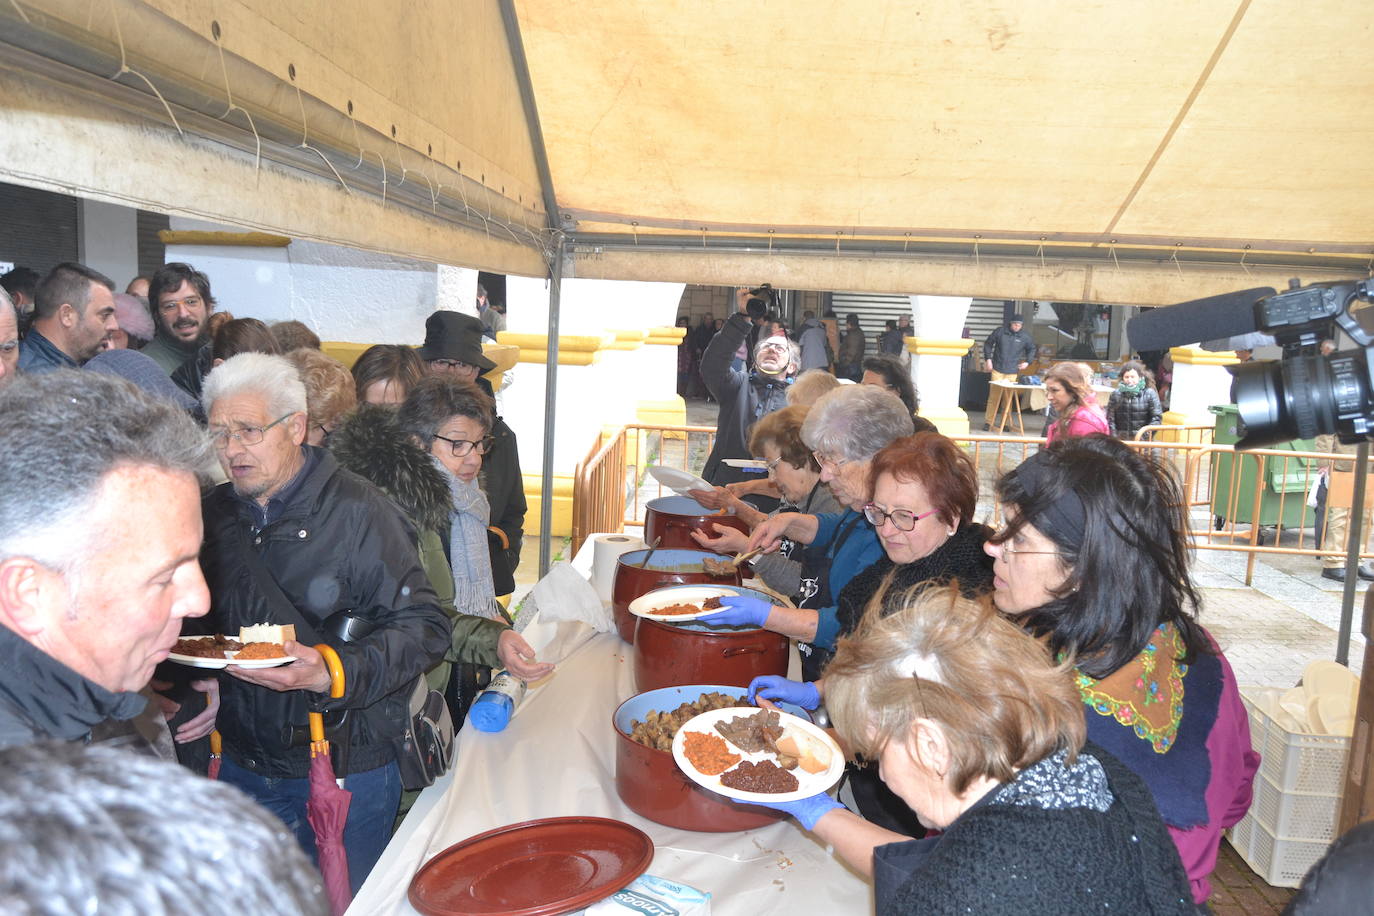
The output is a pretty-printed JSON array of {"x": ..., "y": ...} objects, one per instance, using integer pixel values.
[{"x": 557, "y": 758}]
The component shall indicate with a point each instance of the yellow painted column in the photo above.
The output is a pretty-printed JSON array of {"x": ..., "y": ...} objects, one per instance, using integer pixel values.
[
  {"x": 661, "y": 345},
  {"x": 936, "y": 365}
]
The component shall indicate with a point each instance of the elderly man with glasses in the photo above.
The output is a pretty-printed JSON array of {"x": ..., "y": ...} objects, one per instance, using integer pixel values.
[{"x": 292, "y": 539}]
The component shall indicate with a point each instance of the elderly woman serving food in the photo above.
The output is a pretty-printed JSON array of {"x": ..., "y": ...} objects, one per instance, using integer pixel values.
[
  {"x": 844, "y": 430},
  {"x": 982, "y": 735}
]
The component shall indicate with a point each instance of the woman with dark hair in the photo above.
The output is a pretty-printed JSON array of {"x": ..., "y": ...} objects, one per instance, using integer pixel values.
[
  {"x": 888, "y": 373},
  {"x": 1094, "y": 560},
  {"x": 231, "y": 337},
  {"x": 1069, "y": 388},
  {"x": 1135, "y": 403},
  {"x": 385, "y": 373}
]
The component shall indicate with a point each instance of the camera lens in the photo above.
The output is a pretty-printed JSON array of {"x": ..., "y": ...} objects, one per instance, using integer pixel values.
[{"x": 1298, "y": 398}]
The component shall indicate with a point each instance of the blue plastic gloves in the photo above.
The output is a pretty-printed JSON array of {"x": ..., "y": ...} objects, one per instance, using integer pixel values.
[
  {"x": 740, "y": 611},
  {"x": 806, "y": 810},
  {"x": 781, "y": 690}
]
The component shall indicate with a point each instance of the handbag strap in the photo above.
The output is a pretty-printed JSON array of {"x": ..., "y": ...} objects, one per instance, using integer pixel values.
[{"x": 282, "y": 608}]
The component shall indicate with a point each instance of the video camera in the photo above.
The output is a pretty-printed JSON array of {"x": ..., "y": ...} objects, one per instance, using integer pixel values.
[
  {"x": 1304, "y": 394},
  {"x": 761, "y": 301}
]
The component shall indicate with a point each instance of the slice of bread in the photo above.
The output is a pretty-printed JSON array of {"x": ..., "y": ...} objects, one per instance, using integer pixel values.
[
  {"x": 812, "y": 755},
  {"x": 267, "y": 632}
]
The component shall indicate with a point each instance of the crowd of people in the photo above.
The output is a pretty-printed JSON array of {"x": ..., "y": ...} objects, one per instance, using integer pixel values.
[{"x": 174, "y": 471}]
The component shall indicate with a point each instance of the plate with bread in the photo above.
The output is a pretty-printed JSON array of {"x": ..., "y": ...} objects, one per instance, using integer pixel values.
[
  {"x": 258, "y": 646},
  {"x": 757, "y": 755}
]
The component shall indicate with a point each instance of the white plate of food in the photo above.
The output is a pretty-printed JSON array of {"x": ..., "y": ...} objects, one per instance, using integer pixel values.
[
  {"x": 757, "y": 755},
  {"x": 681, "y": 602},
  {"x": 228, "y": 651},
  {"x": 678, "y": 480},
  {"x": 748, "y": 464}
]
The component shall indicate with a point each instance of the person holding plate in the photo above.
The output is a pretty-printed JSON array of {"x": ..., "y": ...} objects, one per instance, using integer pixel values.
[{"x": 982, "y": 734}]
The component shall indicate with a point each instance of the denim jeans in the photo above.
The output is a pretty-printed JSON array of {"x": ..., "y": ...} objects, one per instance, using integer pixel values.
[{"x": 371, "y": 814}]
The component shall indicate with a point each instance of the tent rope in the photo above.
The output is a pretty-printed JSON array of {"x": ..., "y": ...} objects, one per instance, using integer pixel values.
[
  {"x": 125, "y": 68},
  {"x": 229, "y": 95}
]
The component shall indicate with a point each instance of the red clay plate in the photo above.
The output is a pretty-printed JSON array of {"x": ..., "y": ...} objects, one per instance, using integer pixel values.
[{"x": 538, "y": 868}]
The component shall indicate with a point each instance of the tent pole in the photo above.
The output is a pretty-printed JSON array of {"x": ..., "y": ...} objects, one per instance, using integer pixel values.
[{"x": 550, "y": 411}]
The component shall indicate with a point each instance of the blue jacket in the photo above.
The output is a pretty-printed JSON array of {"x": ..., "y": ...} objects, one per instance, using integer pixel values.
[
  {"x": 860, "y": 551},
  {"x": 37, "y": 354}
]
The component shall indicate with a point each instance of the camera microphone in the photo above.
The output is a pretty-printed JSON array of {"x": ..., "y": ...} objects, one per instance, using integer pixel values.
[{"x": 1213, "y": 318}]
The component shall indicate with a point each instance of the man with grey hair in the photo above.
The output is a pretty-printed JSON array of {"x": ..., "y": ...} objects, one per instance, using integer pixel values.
[
  {"x": 9, "y": 339},
  {"x": 73, "y": 313},
  {"x": 95, "y": 574},
  {"x": 100, "y": 829},
  {"x": 293, "y": 539}
]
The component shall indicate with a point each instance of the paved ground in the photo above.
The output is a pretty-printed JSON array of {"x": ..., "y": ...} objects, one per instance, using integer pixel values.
[{"x": 1270, "y": 631}]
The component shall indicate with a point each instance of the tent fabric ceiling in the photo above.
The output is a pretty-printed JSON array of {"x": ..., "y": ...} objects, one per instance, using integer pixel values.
[{"x": 1019, "y": 149}]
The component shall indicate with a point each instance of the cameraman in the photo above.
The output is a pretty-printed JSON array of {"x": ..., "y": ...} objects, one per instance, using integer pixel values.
[{"x": 745, "y": 394}]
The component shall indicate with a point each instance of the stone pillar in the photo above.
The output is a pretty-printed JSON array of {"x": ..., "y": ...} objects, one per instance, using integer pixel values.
[
  {"x": 937, "y": 352},
  {"x": 1200, "y": 380}
]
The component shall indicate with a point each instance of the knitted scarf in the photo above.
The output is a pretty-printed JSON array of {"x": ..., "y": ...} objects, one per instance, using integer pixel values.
[{"x": 468, "y": 551}]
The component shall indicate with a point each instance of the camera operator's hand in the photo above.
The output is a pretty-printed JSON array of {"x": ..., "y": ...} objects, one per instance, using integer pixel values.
[{"x": 742, "y": 296}]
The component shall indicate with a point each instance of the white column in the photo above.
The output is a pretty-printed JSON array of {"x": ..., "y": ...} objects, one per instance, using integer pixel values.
[
  {"x": 937, "y": 351},
  {"x": 109, "y": 240},
  {"x": 1200, "y": 380}
]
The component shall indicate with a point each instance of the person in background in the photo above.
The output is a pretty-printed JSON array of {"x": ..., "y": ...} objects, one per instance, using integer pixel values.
[
  {"x": 21, "y": 284},
  {"x": 850, "y": 357},
  {"x": 815, "y": 350},
  {"x": 181, "y": 303},
  {"x": 135, "y": 324},
  {"x": 978, "y": 731},
  {"x": 1094, "y": 561},
  {"x": 890, "y": 341},
  {"x": 1135, "y": 403},
  {"x": 810, "y": 386},
  {"x": 1069, "y": 389},
  {"x": 9, "y": 340},
  {"x": 1007, "y": 352},
  {"x": 230, "y": 337},
  {"x": 888, "y": 373},
  {"x": 138, "y": 287},
  {"x": 294, "y": 335},
  {"x": 385, "y": 373},
  {"x": 493, "y": 320},
  {"x": 73, "y": 313},
  {"x": 453, "y": 349},
  {"x": 134, "y": 367},
  {"x": 686, "y": 359},
  {"x": 330, "y": 395},
  {"x": 1334, "y": 524},
  {"x": 99, "y": 546},
  {"x": 78, "y": 823}
]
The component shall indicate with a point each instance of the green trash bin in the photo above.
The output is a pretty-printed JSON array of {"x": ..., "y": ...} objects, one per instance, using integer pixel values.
[{"x": 1286, "y": 480}]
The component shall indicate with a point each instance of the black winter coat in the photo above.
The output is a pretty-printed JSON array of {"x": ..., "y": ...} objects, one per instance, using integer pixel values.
[
  {"x": 340, "y": 544},
  {"x": 504, "y": 485},
  {"x": 1128, "y": 413},
  {"x": 744, "y": 397}
]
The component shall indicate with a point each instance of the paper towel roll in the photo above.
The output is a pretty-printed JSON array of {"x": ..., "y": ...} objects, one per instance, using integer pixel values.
[{"x": 606, "y": 551}]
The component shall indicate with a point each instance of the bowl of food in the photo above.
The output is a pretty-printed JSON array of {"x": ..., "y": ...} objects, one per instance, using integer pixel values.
[
  {"x": 648, "y": 778},
  {"x": 673, "y": 647},
  {"x": 635, "y": 577},
  {"x": 672, "y": 519}
]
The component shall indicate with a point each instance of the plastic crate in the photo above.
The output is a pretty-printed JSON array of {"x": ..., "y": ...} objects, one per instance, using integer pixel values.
[{"x": 1297, "y": 795}]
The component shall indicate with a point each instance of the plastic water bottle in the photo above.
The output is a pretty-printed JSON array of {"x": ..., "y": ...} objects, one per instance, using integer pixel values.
[{"x": 492, "y": 709}]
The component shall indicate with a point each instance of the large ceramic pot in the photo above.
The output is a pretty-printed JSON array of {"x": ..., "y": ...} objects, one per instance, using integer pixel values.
[
  {"x": 671, "y": 654},
  {"x": 650, "y": 782},
  {"x": 665, "y": 567},
  {"x": 672, "y": 519}
]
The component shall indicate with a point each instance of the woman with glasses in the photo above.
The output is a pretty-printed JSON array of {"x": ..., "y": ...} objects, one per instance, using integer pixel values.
[
  {"x": 980, "y": 733},
  {"x": 793, "y": 471},
  {"x": 1094, "y": 560},
  {"x": 843, "y": 430}
]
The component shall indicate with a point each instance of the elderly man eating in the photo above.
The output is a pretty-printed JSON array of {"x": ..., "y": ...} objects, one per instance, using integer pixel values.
[{"x": 292, "y": 539}]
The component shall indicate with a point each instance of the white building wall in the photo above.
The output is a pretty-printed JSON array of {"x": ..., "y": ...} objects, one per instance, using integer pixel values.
[{"x": 108, "y": 238}]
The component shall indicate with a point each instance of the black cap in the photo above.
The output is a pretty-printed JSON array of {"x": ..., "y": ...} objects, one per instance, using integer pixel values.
[{"x": 453, "y": 335}]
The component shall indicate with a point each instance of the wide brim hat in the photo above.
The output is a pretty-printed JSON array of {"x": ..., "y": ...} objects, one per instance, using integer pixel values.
[{"x": 453, "y": 335}]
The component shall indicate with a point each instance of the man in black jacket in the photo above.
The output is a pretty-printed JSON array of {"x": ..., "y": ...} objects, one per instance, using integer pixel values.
[
  {"x": 1008, "y": 350},
  {"x": 99, "y": 536},
  {"x": 293, "y": 539},
  {"x": 744, "y": 395}
]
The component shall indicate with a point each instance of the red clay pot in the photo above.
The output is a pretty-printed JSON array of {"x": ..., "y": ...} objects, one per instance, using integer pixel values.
[
  {"x": 672, "y": 519},
  {"x": 665, "y": 567}
]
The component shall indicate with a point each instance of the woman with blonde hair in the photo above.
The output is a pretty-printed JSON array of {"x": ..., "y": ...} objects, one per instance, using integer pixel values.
[
  {"x": 978, "y": 730},
  {"x": 1069, "y": 388}
]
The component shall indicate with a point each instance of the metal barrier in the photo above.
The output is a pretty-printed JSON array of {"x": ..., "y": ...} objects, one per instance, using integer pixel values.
[{"x": 1252, "y": 502}]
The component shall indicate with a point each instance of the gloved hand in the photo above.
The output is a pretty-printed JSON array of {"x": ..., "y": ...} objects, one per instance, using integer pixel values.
[
  {"x": 806, "y": 810},
  {"x": 780, "y": 689},
  {"x": 740, "y": 610}
]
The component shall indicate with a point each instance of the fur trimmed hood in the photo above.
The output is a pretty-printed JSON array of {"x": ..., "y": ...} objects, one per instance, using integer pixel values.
[{"x": 370, "y": 444}]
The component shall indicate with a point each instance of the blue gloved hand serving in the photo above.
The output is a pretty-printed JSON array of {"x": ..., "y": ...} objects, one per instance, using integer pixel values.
[
  {"x": 740, "y": 610},
  {"x": 806, "y": 810},
  {"x": 781, "y": 690}
]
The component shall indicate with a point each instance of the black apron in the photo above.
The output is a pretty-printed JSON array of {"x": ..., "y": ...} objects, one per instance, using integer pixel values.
[{"x": 815, "y": 591}]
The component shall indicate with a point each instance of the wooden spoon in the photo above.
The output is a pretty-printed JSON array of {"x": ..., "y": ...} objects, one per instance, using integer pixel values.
[{"x": 652, "y": 548}]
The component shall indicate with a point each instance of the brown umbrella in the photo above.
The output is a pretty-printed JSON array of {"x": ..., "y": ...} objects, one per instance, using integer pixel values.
[{"x": 327, "y": 806}]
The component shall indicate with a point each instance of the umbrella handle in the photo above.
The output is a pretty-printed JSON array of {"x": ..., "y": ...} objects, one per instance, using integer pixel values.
[{"x": 336, "y": 690}]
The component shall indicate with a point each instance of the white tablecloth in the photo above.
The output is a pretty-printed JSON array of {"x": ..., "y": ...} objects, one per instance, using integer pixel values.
[{"x": 557, "y": 758}]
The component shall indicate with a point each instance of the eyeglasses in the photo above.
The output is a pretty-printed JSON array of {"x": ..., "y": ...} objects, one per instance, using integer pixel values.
[
  {"x": 452, "y": 364},
  {"x": 247, "y": 435},
  {"x": 463, "y": 447},
  {"x": 325, "y": 431},
  {"x": 1013, "y": 552},
  {"x": 771, "y": 467},
  {"x": 902, "y": 519},
  {"x": 828, "y": 462},
  {"x": 171, "y": 305}
]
